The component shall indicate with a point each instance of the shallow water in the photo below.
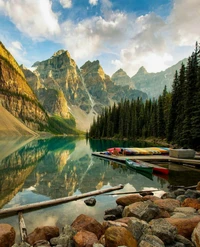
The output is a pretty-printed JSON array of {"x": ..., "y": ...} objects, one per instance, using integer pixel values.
[{"x": 39, "y": 170}]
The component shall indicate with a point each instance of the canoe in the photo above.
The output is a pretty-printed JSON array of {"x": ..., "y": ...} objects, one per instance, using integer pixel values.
[
  {"x": 138, "y": 167},
  {"x": 155, "y": 167}
]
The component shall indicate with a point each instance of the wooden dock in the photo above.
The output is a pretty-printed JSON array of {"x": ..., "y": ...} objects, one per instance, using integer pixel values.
[{"x": 151, "y": 158}]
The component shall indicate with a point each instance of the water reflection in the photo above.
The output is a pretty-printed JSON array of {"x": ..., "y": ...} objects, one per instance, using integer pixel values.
[{"x": 59, "y": 167}]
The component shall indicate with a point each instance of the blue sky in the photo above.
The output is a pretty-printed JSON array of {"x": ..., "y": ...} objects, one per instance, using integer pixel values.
[{"x": 123, "y": 34}]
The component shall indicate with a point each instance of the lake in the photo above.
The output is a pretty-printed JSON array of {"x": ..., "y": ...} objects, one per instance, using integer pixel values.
[{"x": 35, "y": 170}]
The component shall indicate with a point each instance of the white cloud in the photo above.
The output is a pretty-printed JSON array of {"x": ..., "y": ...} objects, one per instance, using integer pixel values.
[
  {"x": 184, "y": 22},
  {"x": 17, "y": 45},
  {"x": 18, "y": 52},
  {"x": 34, "y": 18},
  {"x": 93, "y": 2},
  {"x": 91, "y": 37},
  {"x": 66, "y": 3}
]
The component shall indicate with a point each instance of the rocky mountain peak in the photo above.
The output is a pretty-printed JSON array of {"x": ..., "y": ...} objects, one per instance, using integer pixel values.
[
  {"x": 59, "y": 52},
  {"x": 142, "y": 71},
  {"x": 93, "y": 68},
  {"x": 121, "y": 78}
]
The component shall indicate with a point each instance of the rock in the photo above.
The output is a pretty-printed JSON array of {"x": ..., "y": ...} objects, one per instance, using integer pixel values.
[
  {"x": 192, "y": 194},
  {"x": 22, "y": 245},
  {"x": 116, "y": 236},
  {"x": 185, "y": 226},
  {"x": 137, "y": 227},
  {"x": 109, "y": 217},
  {"x": 181, "y": 198},
  {"x": 162, "y": 214},
  {"x": 168, "y": 195},
  {"x": 98, "y": 245},
  {"x": 65, "y": 238},
  {"x": 150, "y": 241},
  {"x": 151, "y": 198},
  {"x": 178, "y": 215},
  {"x": 42, "y": 243},
  {"x": 143, "y": 210},
  {"x": 163, "y": 230},
  {"x": 185, "y": 210},
  {"x": 167, "y": 204},
  {"x": 191, "y": 202},
  {"x": 90, "y": 202},
  {"x": 179, "y": 192},
  {"x": 84, "y": 222},
  {"x": 42, "y": 233},
  {"x": 107, "y": 224},
  {"x": 7, "y": 235},
  {"x": 130, "y": 199},
  {"x": 117, "y": 211},
  {"x": 198, "y": 186},
  {"x": 196, "y": 235},
  {"x": 85, "y": 239},
  {"x": 183, "y": 240}
]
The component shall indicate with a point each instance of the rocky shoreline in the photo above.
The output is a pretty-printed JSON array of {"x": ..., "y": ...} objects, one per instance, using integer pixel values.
[{"x": 142, "y": 220}]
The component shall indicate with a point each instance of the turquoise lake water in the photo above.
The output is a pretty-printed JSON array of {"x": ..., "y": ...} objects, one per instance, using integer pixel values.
[{"x": 40, "y": 170}]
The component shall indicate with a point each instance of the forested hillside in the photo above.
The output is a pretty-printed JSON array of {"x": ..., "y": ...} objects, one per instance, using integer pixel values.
[{"x": 174, "y": 116}]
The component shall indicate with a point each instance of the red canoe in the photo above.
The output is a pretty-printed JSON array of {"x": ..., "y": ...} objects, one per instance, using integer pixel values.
[{"x": 155, "y": 167}]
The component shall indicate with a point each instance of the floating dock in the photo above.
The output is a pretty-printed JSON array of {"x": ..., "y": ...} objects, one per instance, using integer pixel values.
[{"x": 195, "y": 162}]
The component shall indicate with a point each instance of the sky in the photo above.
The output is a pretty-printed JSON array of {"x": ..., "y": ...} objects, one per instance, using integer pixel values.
[{"x": 123, "y": 34}]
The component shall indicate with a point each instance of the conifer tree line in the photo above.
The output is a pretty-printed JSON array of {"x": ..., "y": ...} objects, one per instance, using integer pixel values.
[{"x": 174, "y": 116}]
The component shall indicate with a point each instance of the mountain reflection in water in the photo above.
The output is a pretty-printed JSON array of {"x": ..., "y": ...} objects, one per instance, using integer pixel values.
[{"x": 44, "y": 169}]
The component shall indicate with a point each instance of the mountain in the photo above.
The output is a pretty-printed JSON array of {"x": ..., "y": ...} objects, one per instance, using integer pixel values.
[
  {"x": 19, "y": 99},
  {"x": 102, "y": 89},
  {"x": 121, "y": 78},
  {"x": 64, "y": 90},
  {"x": 154, "y": 83},
  {"x": 16, "y": 95},
  {"x": 11, "y": 126}
]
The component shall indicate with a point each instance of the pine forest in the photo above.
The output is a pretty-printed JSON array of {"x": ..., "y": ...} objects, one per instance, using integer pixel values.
[{"x": 174, "y": 116}]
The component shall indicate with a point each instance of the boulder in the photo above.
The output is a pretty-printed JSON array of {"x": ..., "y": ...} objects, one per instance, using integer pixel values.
[
  {"x": 167, "y": 204},
  {"x": 85, "y": 239},
  {"x": 181, "y": 198},
  {"x": 117, "y": 236},
  {"x": 185, "y": 210},
  {"x": 196, "y": 235},
  {"x": 151, "y": 241},
  {"x": 42, "y": 233},
  {"x": 185, "y": 226},
  {"x": 184, "y": 241},
  {"x": 198, "y": 186},
  {"x": 163, "y": 230},
  {"x": 179, "y": 192},
  {"x": 151, "y": 198},
  {"x": 117, "y": 211},
  {"x": 7, "y": 235},
  {"x": 65, "y": 238},
  {"x": 127, "y": 200},
  {"x": 87, "y": 223},
  {"x": 142, "y": 210},
  {"x": 42, "y": 243},
  {"x": 110, "y": 217},
  {"x": 137, "y": 227},
  {"x": 90, "y": 202},
  {"x": 168, "y": 195},
  {"x": 109, "y": 223},
  {"x": 162, "y": 214},
  {"x": 192, "y": 193},
  {"x": 191, "y": 202}
]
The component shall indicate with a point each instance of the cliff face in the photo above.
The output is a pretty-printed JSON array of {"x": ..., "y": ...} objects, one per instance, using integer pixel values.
[
  {"x": 16, "y": 95},
  {"x": 61, "y": 74},
  {"x": 121, "y": 78},
  {"x": 103, "y": 90},
  {"x": 50, "y": 95}
]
